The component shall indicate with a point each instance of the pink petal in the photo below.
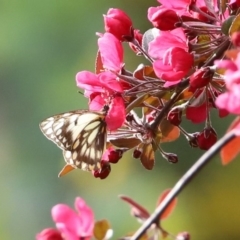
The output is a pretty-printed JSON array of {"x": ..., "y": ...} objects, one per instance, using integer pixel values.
[
  {"x": 88, "y": 81},
  {"x": 230, "y": 101},
  {"x": 109, "y": 81},
  {"x": 111, "y": 52},
  {"x": 165, "y": 41},
  {"x": 175, "y": 64},
  {"x": 226, "y": 64},
  {"x": 97, "y": 102},
  {"x": 86, "y": 217},
  {"x": 67, "y": 221},
  {"x": 116, "y": 114},
  {"x": 166, "y": 72}
]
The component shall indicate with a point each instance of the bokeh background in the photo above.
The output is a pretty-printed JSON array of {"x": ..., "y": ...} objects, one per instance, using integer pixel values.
[{"x": 43, "y": 44}]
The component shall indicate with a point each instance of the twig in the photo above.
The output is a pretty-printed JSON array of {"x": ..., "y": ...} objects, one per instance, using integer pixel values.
[{"x": 183, "y": 181}]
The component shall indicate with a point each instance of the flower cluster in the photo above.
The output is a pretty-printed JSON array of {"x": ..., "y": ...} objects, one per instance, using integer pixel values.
[
  {"x": 184, "y": 78},
  {"x": 181, "y": 79}
]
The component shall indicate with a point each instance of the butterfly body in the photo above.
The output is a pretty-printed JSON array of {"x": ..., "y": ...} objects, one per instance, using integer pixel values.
[{"x": 80, "y": 134}]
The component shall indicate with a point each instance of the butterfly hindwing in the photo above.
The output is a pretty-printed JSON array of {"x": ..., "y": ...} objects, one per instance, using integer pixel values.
[{"x": 80, "y": 134}]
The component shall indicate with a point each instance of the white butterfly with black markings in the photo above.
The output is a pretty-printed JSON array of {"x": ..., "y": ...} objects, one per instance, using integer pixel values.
[{"x": 81, "y": 135}]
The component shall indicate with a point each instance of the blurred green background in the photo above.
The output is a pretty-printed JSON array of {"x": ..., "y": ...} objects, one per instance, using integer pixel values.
[{"x": 43, "y": 44}]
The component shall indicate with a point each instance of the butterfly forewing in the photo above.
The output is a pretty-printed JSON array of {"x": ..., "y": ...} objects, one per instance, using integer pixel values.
[
  {"x": 81, "y": 135},
  {"x": 55, "y": 128}
]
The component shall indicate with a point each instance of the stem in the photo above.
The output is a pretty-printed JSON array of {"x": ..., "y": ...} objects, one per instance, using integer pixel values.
[
  {"x": 136, "y": 43},
  {"x": 182, "y": 182},
  {"x": 165, "y": 110}
]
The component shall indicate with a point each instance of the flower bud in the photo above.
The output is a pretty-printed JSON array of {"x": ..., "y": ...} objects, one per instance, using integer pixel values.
[
  {"x": 162, "y": 18},
  {"x": 170, "y": 157},
  {"x": 192, "y": 139},
  {"x": 200, "y": 78},
  {"x": 137, "y": 153},
  {"x": 118, "y": 23},
  {"x": 115, "y": 155},
  {"x": 175, "y": 116},
  {"x": 103, "y": 172},
  {"x": 49, "y": 234},
  {"x": 207, "y": 138}
]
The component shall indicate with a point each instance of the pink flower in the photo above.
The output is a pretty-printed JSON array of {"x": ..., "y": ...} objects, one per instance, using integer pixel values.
[
  {"x": 111, "y": 51},
  {"x": 103, "y": 89},
  {"x": 230, "y": 100},
  {"x": 74, "y": 225},
  {"x": 71, "y": 225},
  {"x": 118, "y": 23},
  {"x": 170, "y": 50}
]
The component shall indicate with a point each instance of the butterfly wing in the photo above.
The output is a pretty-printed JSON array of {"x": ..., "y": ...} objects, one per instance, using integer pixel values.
[{"x": 80, "y": 134}]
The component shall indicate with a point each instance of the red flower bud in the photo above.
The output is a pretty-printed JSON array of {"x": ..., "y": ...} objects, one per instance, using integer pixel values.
[
  {"x": 170, "y": 157},
  {"x": 207, "y": 138},
  {"x": 162, "y": 18},
  {"x": 115, "y": 155},
  {"x": 49, "y": 234},
  {"x": 192, "y": 139},
  {"x": 200, "y": 78},
  {"x": 175, "y": 116},
  {"x": 137, "y": 153},
  {"x": 118, "y": 23},
  {"x": 103, "y": 172},
  {"x": 234, "y": 4}
]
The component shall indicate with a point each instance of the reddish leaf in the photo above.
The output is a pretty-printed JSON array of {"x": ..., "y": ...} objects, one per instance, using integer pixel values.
[
  {"x": 125, "y": 142},
  {"x": 136, "y": 209},
  {"x": 231, "y": 150},
  {"x": 170, "y": 207},
  {"x": 169, "y": 132},
  {"x": 98, "y": 63},
  {"x": 147, "y": 157},
  {"x": 143, "y": 71}
]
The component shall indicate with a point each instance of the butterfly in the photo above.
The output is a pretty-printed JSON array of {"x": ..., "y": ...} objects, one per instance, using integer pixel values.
[{"x": 82, "y": 136}]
